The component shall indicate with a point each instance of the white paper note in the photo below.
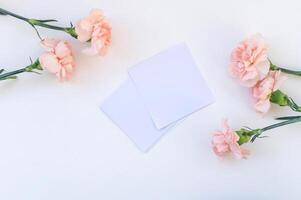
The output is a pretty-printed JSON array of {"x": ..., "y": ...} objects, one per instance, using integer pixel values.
[
  {"x": 126, "y": 109},
  {"x": 171, "y": 85}
]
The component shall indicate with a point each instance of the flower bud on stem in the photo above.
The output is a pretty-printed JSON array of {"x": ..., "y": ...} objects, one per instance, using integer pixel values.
[{"x": 281, "y": 99}]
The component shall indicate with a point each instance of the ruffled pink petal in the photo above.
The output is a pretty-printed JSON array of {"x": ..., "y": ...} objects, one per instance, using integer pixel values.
[
  {"x": 62, "y": 50},
  {"x": 62, "y": 74},
  {"x": 83, "y": 30},
  {"x": 218, "y": 151},
  {"x": 96, "y": 15},
  {"x": 249, "y": 79},
  {"x": 49, "y": 44},
  {"x": 222, "y": 148},
  {"x": 218, "y": 138},
  {"x": 279, "y": 79},
  {"x": 238, "y": 152},
  {"x": 50, "y": 62},
  {"x": 263, "y": 69},
  {"x": 67, "y": 60},
  {"x": 263, "y": 106},
  {"x": 68, "y": 68}
]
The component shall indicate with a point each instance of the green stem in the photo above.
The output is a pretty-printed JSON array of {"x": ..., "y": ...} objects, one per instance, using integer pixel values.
[
  {"x": 5, "y": 12},
  {"x": 11, "y": 75},
  {"x": 30, "y": 68},
  {"x": 35, "y": 22},
  {"x": 287, "y": 122},
  {"x": 290, "y": 120},
  {"x": 41, "y": 23},
  {"x": 284, "y": 70}
]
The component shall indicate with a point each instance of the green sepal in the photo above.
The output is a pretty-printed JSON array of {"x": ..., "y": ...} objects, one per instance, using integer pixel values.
[
  {"x": 71, "y": 31},
  {"x": 246, "y": 134},
  {"x": 279, "y": 98}
]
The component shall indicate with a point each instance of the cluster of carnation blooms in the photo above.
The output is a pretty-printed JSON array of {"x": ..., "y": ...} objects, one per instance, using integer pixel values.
[
  {"x": 58, "y": 58},
  {"x": 250, "y": 65}
]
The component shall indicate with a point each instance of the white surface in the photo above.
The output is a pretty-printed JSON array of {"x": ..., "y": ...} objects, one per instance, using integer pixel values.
[
  {"x": 170, "y": 85},
  {"x": 126, "y": 109},
  {"x": 56, "y": 144}
]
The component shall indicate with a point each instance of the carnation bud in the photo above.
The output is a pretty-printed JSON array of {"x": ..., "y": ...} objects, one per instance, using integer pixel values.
[{"x": 279, "y": 98}]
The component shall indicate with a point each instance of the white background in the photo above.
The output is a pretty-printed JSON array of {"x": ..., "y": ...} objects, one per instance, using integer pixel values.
[{"x": 55, "y": 143}]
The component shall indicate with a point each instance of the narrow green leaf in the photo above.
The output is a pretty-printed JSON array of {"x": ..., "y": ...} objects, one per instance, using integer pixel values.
[
  {"x": 48, "y": 20},
  {"x": 287, "y": 118}
]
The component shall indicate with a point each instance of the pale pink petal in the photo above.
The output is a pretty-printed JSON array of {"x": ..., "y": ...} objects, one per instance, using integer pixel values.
[
  {"x": 263, "y": 106},
  {"x": 49, "y": 44},
  {"x": 96, "y": 15},
  {"x": 237, "y": 151},
  {"x": 50, "y": 62},
  {"x": 67, "y": 60},
  {"x": 222, "y": 148},
  {"x": 249, "y": 79},
  {"x": 279, "y": 79},
  {"x": 245, "y": 152},
  {"x": 61, "y": 74},
  {"x": 62, "y": 50},
  {"x": 68, "y": 68},
  {"x": 220, "y": 153},
  {"x": 263, "y": 69},
  {"x": 83, "y": 30},
  {"x": 218, "y": 139}
]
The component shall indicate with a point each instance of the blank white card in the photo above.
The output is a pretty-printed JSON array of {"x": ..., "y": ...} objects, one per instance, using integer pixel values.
[
  {"x": 127, "y": 111},
  {"x": 170, "y": 85}
]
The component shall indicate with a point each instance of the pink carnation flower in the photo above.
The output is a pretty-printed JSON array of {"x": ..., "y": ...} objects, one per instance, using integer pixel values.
[
  {"x": 58, "y": 58},
  {"x": 249, "y": 61},
  {"x": 227, "y": 141},
  {"x": 96, "y": 29},
  {"x": 263, "y": 90}
]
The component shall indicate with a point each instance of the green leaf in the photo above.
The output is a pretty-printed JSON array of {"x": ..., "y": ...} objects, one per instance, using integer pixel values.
[
  {"x": 1, "y": 71},
  {"x": 287, "y": 118},
  {"x": 47, "y": 20}
]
